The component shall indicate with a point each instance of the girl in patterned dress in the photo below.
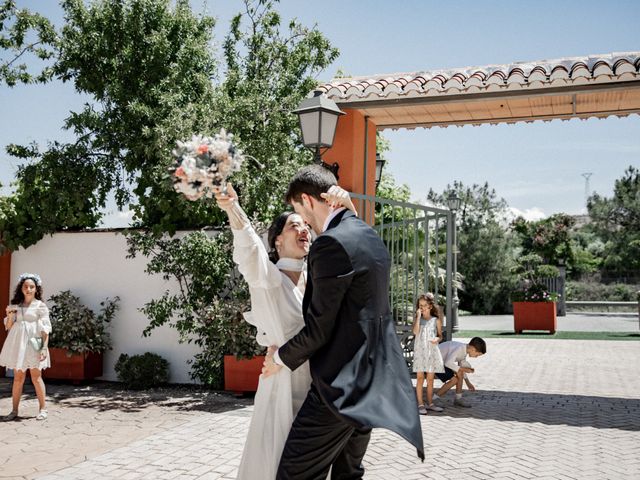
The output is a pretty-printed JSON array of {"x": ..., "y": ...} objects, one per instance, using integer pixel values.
[
  {"x": 25, "y": 347},
  {"x": 427, "y": 328}
]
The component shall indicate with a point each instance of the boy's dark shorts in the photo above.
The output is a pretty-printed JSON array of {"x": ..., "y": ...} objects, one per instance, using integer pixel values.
[{"x": 446, "y": 376}]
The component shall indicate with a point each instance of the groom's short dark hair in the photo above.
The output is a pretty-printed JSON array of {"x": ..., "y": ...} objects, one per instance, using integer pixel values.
[{"x": 312, "y": 180}]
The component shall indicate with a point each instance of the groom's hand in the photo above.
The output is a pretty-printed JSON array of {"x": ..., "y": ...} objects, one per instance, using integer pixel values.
[{"x": 270, "y": 367}]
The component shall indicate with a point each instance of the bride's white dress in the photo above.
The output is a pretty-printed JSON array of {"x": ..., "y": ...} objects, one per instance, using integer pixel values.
[{"x": 276, "y": 311}]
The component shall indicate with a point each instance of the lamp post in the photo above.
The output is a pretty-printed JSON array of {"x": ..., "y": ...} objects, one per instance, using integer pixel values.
[
  {"x": 318, "y": 117},
  {"x": 453, "y": 202},
  {"x": 379, "y": 166}
]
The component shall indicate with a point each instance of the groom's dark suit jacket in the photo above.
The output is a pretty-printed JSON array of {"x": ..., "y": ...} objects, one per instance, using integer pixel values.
[{"x": 349, "y": 337}]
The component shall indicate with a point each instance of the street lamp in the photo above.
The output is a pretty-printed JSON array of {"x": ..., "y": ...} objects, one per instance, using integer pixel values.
[
  {"x": 379, "y": 166},
  {"x": 318, "y": 118},
  {"x": 453, "y": 202}
]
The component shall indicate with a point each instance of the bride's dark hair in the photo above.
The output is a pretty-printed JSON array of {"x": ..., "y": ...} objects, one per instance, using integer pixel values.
[{"x": 274, "y": 230}]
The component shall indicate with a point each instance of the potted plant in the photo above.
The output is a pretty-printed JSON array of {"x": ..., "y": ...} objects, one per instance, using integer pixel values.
[
  {"x": 235, "y": 338},
  {"x": 534, "y": 307},
  {"x": 79, "y": 337},
  {"x": 244, "y": 359}
]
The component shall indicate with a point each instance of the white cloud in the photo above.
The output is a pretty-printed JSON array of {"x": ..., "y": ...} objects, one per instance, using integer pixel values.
[
  {"x": 530, "y": 214},
  {"x": 117, "y": 219}
]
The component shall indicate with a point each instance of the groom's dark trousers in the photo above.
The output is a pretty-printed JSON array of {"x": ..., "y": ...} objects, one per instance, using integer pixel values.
[
  {"x": 316, "y": 427},
  {"x": 359, "y": 377}
]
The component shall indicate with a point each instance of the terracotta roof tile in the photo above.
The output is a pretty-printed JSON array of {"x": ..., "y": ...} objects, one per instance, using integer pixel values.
[{"x": 538, "y": 74}]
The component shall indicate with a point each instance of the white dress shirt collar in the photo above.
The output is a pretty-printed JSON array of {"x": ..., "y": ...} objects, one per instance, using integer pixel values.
[{"x": 331, "y": 216}]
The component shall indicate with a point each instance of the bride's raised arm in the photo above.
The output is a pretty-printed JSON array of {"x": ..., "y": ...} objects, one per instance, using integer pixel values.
[{"x": 249, "y": 251}]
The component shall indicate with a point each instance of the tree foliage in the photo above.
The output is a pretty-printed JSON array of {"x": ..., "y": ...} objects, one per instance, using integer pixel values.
[
  {"x": 269, "y": 69},
  {"x": 146, "y": 67},
  {"x": 486, "y": 250},
  {"x": 617, "y": 221},
  {"x": 24, "y": 37},
  {"x": 549, "y": 238},
  {"x": 207, "y": 307},
  {"x": 150, "y": 73}
]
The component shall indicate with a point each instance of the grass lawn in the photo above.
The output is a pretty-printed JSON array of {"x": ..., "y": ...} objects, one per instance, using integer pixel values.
[{"x": 556, "y": 336}]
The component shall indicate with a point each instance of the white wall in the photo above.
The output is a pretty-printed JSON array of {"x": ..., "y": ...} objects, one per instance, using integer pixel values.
[{"x": 93, "y": 265}]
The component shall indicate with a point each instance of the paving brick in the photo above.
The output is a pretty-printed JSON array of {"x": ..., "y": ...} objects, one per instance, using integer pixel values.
[{"x": 528, "y": 420}]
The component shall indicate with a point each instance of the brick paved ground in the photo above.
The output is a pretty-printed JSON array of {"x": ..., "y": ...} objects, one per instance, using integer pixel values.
[{"x": 545, "y": 409}]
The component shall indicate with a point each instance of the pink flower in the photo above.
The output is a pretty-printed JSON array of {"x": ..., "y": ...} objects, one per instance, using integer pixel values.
[{"x": 202, "y": 149}]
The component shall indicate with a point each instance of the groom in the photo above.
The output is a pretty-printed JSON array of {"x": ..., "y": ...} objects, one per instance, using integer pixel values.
[{"x": 359, "y": 377}]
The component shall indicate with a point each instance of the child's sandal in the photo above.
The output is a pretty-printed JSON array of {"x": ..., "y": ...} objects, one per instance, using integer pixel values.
[{"x": 12, "y": 416}]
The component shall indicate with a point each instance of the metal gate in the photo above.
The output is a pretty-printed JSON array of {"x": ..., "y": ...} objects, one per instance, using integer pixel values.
[{"x": 419, "y": 239}]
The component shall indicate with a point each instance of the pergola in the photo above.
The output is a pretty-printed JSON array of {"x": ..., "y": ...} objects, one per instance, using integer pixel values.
[{"x": 579, "y": 87}]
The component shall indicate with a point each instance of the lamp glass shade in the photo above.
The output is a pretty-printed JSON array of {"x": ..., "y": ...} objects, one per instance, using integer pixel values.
[
  {"x": 328, "y": 122},
  {"x": 309, "y": 124},
  {"x": 453, "y": 202},
  {"x": 379, "y": 166}
]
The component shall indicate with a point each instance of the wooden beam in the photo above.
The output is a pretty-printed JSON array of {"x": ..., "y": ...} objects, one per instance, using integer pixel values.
[{"x": 606, "y": 113}]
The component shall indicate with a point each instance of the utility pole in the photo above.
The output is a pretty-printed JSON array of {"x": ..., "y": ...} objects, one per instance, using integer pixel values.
[{"x": 587, "y": 190}]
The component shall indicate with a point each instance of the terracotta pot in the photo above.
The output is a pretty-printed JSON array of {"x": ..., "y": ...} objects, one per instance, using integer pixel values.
[
  {"x": 534, "y": 316},
  {"x": 242, "y": 375},
  {"x": 86, "y": 366}
]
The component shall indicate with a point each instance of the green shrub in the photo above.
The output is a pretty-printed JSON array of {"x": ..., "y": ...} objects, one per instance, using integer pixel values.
[
  {"x": 142, "y": 371},
  {"x": 591, "y": 291},
  {"x": 78, "y": 329}
]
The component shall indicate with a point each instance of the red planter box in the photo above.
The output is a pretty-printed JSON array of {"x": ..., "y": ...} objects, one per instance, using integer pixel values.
[
  {"x": 242, "y": 375},
  {"x": 85, "y": 366},
  {"x": 534, "y": 316}
]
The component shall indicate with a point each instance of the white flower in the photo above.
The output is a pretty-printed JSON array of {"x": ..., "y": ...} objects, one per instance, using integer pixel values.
[{"x": 204, "y": 162}]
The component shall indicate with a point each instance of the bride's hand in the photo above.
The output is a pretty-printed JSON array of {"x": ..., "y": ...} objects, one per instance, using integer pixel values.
[
  {"x": 226, "y": 199},
  {"x": 338, "y": 197}
]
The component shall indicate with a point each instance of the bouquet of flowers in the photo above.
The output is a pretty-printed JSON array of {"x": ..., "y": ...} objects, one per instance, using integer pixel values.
[{"x": 204, "y": 162}]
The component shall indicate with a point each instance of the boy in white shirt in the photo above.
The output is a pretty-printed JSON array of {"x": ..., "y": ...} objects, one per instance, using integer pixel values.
[{"x": 454, "y": 355}]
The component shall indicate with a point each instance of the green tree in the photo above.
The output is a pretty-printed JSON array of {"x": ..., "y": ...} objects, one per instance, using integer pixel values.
[
  {"x": 268, "y": 71},
  {"x": 146, "y": 67},
  {"x": 151, "y": 77},
  {"x": 24, "y": 36},
  {"x": 549, "y": 238},
  {"x": 617, "y": 221},
  {"x": 486, "y": 248},
  {"x": 207, "y": 307},
  {"x": 587, "y": 250}
]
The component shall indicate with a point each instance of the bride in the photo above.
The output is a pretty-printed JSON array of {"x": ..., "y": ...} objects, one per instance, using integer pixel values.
[{"x": 277, "y": 279}]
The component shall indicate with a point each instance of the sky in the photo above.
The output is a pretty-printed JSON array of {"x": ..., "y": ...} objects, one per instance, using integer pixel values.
[{"x": 537, "y": 168}]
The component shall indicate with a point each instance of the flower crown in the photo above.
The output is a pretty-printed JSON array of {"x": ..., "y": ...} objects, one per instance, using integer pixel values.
[{"x": 31, "y": 276}]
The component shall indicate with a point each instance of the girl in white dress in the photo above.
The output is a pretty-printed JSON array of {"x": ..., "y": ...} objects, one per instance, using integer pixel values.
[
  {"x": 26, "y": 345},
  {"x": 277, "y": 280},
  {"x": 427, "y": 328}
]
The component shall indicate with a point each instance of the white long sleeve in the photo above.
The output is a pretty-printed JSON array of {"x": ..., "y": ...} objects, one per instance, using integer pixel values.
[{"x": 252, "y": 259}]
